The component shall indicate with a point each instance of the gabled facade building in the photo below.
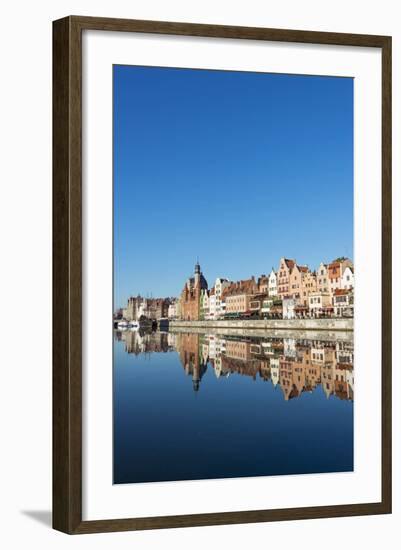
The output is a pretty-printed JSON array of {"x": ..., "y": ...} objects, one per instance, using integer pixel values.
[
  {"x": 347, "y": 278},
  {"x": 204, "y": 304},
  {"x": 335, "y": 271},
  {"x": 212, "y": 304},
  {"x": 322, "y": 278},
  {"x": 283, "y": 277},
  {"x": 297, "y": 285},
  {"x": 309, "y": 285},
  {"x": 272, "y": 289},
  {"x": 219, "y": 286},
  {"x": 263, "y": 284}
]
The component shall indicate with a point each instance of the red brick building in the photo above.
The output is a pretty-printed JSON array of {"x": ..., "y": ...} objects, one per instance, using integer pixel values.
[{"x": 190, "y": 295}]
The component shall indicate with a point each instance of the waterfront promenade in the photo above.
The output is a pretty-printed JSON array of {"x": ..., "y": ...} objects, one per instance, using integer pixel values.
[{"x": 308, "y": 329}]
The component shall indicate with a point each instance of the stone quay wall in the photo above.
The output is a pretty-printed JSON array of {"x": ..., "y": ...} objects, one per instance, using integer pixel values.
[
  {"x": 269, "y": 324},
  {"x": 300, "y": 329}
]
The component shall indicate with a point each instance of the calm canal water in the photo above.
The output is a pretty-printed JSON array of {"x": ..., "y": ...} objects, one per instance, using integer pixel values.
[{"x": 198, "y": 406}]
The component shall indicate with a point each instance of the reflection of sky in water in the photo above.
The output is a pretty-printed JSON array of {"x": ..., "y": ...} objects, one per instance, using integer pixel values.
[{"x": 192, "y": 406}]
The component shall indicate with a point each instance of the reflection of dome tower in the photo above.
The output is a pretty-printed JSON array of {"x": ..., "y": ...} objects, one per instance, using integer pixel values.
[
  {"x": 196, "y": 375},
  {"x": 195, "y": 383},
  {"x": 198, "y": 370}
]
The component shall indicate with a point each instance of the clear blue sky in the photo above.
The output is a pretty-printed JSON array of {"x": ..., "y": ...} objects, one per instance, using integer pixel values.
[{"x": 235, "y": 168}]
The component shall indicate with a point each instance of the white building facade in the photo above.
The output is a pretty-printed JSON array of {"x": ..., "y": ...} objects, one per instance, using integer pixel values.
[
  {"x": 219, "y": 285},
  {"x": 275, "y": 370},
  {"x": 289, "y": 308},
  {"x": 172, "y": 310},
  {"x": 322, "y": 281},
  {"x": 212, "y": 305},
  {"x": 347, "y": 279},
  {"x": 272, "y": 283}
]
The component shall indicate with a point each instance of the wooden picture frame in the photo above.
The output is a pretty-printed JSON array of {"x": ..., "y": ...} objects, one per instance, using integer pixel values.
[{"x": 67, "y": 274}]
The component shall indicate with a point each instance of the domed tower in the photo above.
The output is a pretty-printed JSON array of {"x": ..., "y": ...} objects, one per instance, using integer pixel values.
[
  {"x": 190, "y": 296},
  {"x": 200, "y": 281}
]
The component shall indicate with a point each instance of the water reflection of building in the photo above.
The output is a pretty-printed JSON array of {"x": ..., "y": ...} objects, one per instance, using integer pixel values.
[
  {"x": 290, "y": 349},
  {"x": 239, "y": 366},
  {"x": 140, "y": 341},
  {"x": 172, "y": 339},
  {"x": 345, "y": 353},
  {"x": 265, "y": 371},
  {"x": 188, "y": 347},
  {"x": 237, "y": 349},
  {"x": 286, "y": 378},
  {"x": 275, "y": 370},
  {"x": 294, "y": 366}
]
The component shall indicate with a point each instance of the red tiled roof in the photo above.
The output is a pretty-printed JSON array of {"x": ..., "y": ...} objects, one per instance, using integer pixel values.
[
  {"x": 333, "y": 265},
  {"x": 289, "y": 263},
  {"x": 247, "y": 286}
]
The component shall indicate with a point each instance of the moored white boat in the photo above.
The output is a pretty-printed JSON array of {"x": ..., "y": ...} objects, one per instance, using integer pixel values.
[{"x": 122, "y": 325}]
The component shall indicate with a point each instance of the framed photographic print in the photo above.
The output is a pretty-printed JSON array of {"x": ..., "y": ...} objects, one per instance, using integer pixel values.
[{"x": 222, "y": 274}]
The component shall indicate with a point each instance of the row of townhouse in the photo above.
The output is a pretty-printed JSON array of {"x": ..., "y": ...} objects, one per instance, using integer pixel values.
[
  {"x": 297, "y": 281},
  {"x": 291, "y": 291},
  {"x": 298, "y": 291}
]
